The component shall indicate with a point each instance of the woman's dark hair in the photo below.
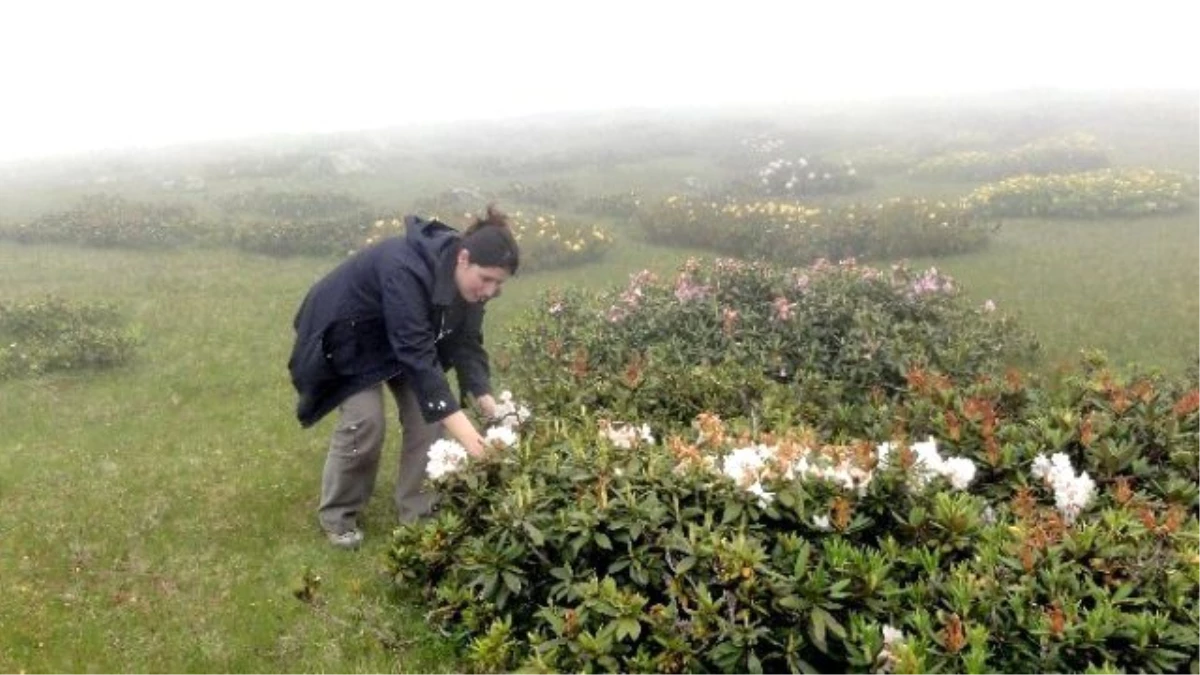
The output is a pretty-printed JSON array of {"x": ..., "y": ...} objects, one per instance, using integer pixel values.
[{"x": 491, "y": 243}]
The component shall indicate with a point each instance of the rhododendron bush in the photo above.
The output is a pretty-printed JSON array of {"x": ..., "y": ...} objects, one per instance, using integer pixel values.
[
  {"x": 729, "y": 336},
  {"x": 833, "y": 469}
]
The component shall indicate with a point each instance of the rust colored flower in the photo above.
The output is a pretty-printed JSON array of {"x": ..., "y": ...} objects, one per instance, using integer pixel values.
[
  {"x": 1187, "y": 404},
  {"x": 952, "y": 635}
]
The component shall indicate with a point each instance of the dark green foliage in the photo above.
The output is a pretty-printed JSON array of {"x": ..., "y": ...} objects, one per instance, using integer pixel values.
[
  {"x": 54, "y": 334},
  {"x": 112, "y": 221}
]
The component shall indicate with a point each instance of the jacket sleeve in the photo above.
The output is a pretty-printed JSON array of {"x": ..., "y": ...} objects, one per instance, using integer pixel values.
[
  {"x": 469, "y": 357},
  {"x": 407, "y": 311}
]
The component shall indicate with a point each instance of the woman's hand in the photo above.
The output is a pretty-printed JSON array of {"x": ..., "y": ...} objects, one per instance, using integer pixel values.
[
  {"x": 487, "y": 406},
  {"x": 460, "y": 427}
]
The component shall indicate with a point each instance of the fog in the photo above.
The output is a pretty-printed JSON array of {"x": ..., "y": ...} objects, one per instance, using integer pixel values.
[{"x": 82, "y": 77}]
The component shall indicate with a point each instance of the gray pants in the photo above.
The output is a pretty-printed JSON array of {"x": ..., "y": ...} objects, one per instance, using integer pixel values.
[{"x": 353, "y": 459}]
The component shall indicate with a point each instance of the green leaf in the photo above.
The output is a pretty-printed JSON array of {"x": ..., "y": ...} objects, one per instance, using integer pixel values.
[
  {"x": 535, "y": 535},
  {"x": 790, "y": 602},
  {"x": 686, "y": 564},
  {"x": 805, "y": 666},
  {"x": 627, "y": 627},
  {"x": 816, "y": 629},
  {"x": 753, "y": 665},
  {"x": 512, "y": 581},
  {"x": 602, "y": 541}
]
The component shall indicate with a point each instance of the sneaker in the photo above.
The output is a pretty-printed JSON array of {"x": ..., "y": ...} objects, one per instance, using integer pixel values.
[{"x": 350, "y": 539}]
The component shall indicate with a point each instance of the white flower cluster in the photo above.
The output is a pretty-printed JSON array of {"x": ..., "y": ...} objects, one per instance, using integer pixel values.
[
  {"x": 509, "y": 413},
  {"x": 892, "y": 638},
  {"x": 843, "y": 473},
  {"x": 960, "y": 471},
  {"x": 445, "y": 457},
  {"x": 500, "y": 437},
  {"x": 749, "y": 466},
  {"x": 1072, "y": 493},
  {"x": 624, "y": 435}
]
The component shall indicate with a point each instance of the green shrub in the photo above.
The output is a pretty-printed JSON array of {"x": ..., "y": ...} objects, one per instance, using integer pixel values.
[
  {"x": 1065, "y": 154},
  {"x": 54, "y": 334},
  {"x": 614, "y": 205},
  {"x": 547, "y": 194},
  {"x": 820, "y": 470},
  {"x": 287, "y": 224},
  {"x": 727, "y": 550},
  {"x": 802, "y": 178},
  {"x": 794, "y": 233},
  {"x": 545, "y": 241},
  {"x": 751, "y": 337},
  {"x": 112, "y": 221},
  {"x": 1105, "y": 193}
]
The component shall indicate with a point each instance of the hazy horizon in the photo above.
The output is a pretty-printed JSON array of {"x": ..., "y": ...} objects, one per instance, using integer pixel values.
[{"x": 135, "y": 74}]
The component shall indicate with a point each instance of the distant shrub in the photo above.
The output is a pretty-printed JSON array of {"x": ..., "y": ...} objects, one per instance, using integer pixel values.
[
  {"x": 546, "y": 241},
  {"x": 613, "y": 205},
  {"x": 54, "y": 334},
  {"x": 461, "y": 202},
  {"x": 877, "y": 160},
  {"x": 791, "y": 233},
  {"x": 112, "y": 221},
  {"x": 549, "y": 194},
  {"x": 1104, "y": 193},
  {"x": 296, "y": 223},
  {"x": 802, "y": 177},
  {"x": 1071, "y": 153}
]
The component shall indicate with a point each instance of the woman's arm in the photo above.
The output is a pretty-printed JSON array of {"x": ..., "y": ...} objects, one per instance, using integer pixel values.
[{"x": 464, "y": 432}]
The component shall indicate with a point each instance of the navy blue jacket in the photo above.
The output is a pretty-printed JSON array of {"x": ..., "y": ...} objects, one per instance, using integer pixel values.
[{"x": 390, "y": 309}]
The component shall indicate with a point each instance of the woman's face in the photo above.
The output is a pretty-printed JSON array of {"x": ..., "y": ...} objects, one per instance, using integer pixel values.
[{"x": 476, "y": 283}]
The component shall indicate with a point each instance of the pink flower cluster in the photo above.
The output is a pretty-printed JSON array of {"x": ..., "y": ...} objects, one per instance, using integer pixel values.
[
  {"x": 631, "y": 299},
  {"x": 931, "y": 282},
  {"x": 781, "y": 309},
  {"x": 687, "y": 290}
]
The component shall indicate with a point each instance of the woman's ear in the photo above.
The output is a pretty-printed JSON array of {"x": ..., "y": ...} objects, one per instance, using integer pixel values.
[{"x": 464, "y": 258}]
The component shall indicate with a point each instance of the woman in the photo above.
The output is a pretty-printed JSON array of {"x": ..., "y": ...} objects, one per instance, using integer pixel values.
[{"x": 399, "y": 313}]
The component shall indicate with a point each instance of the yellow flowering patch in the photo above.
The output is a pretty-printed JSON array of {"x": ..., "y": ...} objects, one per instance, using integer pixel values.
[
  {"x": 1108, "y": 192},
  {"x": 546, "y": 241},
  {"x": 1069, "y": 153},
  {"x": 796, "y": 232}
]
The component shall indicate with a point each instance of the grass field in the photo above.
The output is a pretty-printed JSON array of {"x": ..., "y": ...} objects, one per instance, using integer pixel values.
[{"x": 158, "y": 517}]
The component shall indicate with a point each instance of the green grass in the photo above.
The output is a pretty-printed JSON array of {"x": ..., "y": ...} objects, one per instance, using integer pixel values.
[{"x": 157, "y": 517}]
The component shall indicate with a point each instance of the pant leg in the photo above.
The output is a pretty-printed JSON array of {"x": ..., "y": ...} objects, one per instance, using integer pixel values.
[
  {"x": 413, "y": 499},
  {"x": 353, "y": 460}
]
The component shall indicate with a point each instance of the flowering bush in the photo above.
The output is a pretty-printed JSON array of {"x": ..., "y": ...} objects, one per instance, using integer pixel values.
[
  {"x": 105, "y": 220},
  {"x": 724, "y": 549},
  {"x": 545, "y": 241},
  {"x": 729, "y": 335},
  {"x": 1070, "y": 153},
  {"x": 822, "y": 470},
  {"x": 1104, "y": 193},
  {"x": 802, "y": 177},
  {"x": 54, "y": 334},
  {"x": 796, "y": 233}
]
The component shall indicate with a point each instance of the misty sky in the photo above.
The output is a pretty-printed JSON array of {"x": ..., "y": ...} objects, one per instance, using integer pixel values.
[{"x": 79, "y": 76}]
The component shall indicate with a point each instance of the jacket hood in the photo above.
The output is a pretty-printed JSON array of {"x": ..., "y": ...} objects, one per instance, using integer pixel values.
[{"x": 437, "y": 243}]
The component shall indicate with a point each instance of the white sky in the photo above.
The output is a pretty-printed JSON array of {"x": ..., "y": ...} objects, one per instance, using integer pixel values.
[{"x": 112, "y": 73}]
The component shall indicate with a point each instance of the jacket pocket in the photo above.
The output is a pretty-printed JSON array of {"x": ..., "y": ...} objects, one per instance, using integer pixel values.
[
  {"x": 309, "y": 364},
  {"x": 355, "y": 346}
]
